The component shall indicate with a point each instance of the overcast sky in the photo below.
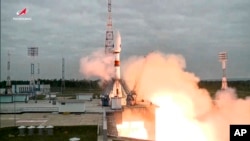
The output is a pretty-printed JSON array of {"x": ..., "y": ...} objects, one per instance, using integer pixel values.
[{"x": 197, "y": 29}]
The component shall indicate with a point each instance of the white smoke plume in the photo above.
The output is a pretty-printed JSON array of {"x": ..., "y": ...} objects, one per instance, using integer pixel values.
[
  {"x": 236, "y": 110},
  {"x": 186, "y": 111},
  {"x": 97, "y": 65}
]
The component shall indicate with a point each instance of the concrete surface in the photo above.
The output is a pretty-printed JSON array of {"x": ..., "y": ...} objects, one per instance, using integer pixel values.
[{"x": 92, "y": 116}]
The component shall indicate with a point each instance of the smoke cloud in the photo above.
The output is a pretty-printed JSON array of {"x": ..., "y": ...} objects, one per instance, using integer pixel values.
[
  {"x": 186, "y": 112},
  {"x": 97, "y": 65},
  {"x": 236, "y": 110}
]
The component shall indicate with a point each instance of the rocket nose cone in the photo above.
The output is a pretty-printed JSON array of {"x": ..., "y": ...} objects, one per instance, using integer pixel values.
[
  {"x": 118, "y": 35},
  {"x": 118, "y": 42}
]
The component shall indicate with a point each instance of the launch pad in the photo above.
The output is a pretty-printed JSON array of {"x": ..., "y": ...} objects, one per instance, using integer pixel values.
[
  {"x": 109, "y": 97},
  {"x": 134, "y": 122},
  {"x": 124, "y": 115}
]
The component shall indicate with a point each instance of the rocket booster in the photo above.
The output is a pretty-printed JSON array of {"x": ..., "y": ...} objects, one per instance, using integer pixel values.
[{"x": 116, "y": 51}]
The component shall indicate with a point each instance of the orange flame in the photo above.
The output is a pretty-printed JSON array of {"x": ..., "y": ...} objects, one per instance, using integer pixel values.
[
  {"x": 174, "y": 121},
  {"x": 133, "y": 129}
]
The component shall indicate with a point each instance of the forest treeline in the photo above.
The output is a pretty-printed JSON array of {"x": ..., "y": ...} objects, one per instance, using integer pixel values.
[
  {"x": 94, "y": 84},
  {"x": 55, "y": 83},
  {"x": 215, "y": 85}
]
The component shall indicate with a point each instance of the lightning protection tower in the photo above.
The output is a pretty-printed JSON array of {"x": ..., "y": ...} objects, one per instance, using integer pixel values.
[
  {"x": 8, "y": 83},
  {"x": 63, "y": 81},
  {"x": 223, "y": 59},
  {"x": 38, "y": 79},
  {"x": 32, "y": 52},
  {"x": 109, "y": 41}
]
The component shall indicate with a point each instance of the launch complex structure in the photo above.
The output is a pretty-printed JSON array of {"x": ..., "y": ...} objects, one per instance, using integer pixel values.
[
  {"x": 116, "y": 92},
  {"x": 117, "y": 95}
]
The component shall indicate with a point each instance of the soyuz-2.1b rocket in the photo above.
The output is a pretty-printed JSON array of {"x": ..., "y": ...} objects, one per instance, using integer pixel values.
[{"x": 116, "y": 51}]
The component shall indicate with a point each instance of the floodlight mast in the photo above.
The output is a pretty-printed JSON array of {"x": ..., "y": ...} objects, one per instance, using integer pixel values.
[
  {"x": 63, "y": 76},
  {"x": 32, "y": 52},
  {"x": 38, "y": 75},
  {"x": 223, "y": 59},
  {"x": 8, "y": 83}
]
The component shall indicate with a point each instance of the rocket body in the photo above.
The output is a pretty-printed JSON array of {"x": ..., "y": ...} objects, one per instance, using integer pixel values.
[
  {"x": 117, "y": 66},
  {"x": 117, "y": 51}
]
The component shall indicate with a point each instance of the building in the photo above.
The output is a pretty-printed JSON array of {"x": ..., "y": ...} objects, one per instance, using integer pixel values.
[
  {"x": 40, "y": 89},
  {"x": 84, "y": 96},
  {"x": 10, "y": 98}
]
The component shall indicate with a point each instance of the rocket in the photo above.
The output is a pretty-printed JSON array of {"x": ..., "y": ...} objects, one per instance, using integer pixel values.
[{"x": 116, "y": 52}]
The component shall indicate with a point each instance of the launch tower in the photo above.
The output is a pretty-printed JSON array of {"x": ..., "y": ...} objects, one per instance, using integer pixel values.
[{"x": 109, "y": 40}]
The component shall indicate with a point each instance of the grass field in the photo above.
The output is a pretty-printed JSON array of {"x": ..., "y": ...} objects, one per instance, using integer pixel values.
[{"x": 61, "y": 133}]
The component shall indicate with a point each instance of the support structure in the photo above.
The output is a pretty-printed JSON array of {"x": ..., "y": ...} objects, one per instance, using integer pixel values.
[
  {"x": 32, "y": 52},
  {"x": 109, "y": 40},
  {"x": 223, "y": 59},
  {"x": 8, "y": 83},
  {"x": 105, "y": 138}
]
